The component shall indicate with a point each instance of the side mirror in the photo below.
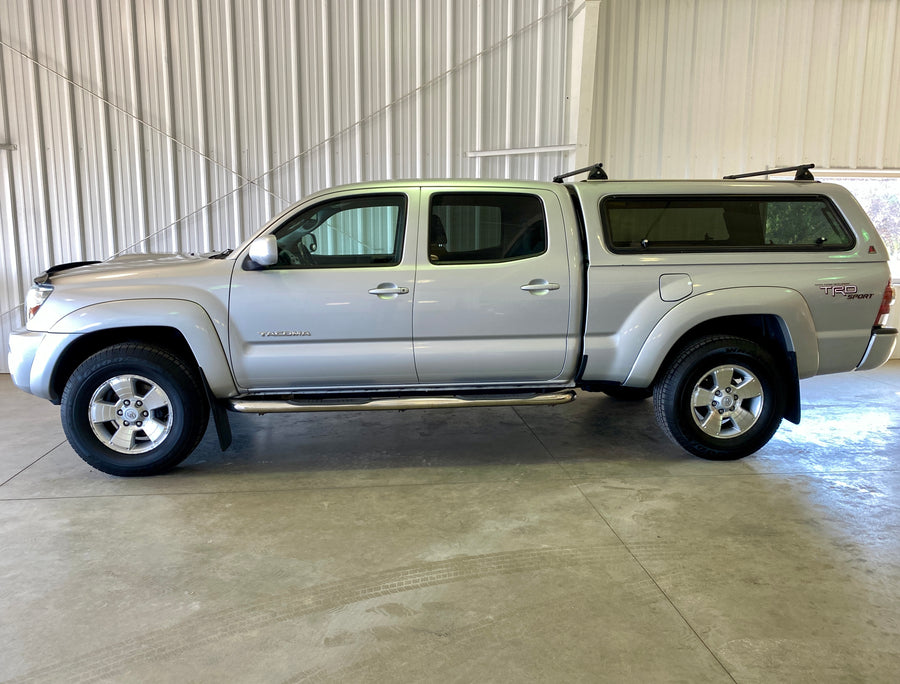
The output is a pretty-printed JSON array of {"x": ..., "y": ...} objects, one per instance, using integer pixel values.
[{"x": 264, "y": 251}]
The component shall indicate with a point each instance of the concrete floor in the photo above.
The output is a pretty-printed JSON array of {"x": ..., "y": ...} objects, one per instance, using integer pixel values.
[{"x": 483, "y": 545}]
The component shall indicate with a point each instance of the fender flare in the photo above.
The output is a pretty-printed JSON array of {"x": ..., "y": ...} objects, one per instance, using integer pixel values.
[
  {"x": 787, "y": 305},
  {"x": 187, "y": 317}
]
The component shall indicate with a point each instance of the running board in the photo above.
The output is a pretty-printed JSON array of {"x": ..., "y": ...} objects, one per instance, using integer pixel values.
[{"x": 256, "y": 405}]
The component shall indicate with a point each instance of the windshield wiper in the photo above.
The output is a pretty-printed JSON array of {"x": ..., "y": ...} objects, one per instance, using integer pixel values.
[{"x": 221, "y": 255}]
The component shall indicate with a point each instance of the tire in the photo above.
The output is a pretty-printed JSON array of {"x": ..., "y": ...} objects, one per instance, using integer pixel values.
[
  {"x": 721, "y": 398},
  {"x": 133, "y": 409},
  {"x": 628, "y": 393}
]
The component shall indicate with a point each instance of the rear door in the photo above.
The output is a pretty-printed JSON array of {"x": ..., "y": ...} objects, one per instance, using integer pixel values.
[{"x": 492, "y": 287}]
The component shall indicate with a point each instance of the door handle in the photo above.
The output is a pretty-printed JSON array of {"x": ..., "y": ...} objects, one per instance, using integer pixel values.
[
  {"x": 388, "y": 291},
  {"x": 539, "y": 286}
]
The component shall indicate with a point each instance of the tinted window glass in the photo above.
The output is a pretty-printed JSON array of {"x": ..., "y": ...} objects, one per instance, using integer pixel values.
[
  {"x": 352, "y": 231},
  {"x": 698, "y": 224},
  {"x": 485, "y": 227}
]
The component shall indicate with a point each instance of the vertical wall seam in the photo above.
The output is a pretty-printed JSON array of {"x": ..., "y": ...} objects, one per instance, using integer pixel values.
[
  {"x": 772, "y": 152},
  {"x": 140, "y": 192},
  {"x": 233, "y": 120},
  {"x": 449, "y": 87},
  {"x": 389, "y": 89},
  {"x": 109, "y": 178},
  {"x": 75, "y": 167},
  {"x": 604, "y": 91},
  {"x": 826, "y": 142},
  {"x": 634, "y": 92},
  {"x": 751, "y": 62},
  {"x": 538, "y": 79},
  {"x": 661, "y": 123},
  {"x": 296, "y": 117},
  {"x": 202, "y": 121},
  {"x": 508, "y": 124},
  {"x": 14, "y": 259},
  {"x": 174, "y": 199},
  {"x": 419, "y": 100},
  {"x": 359, "y": 88},
  {"x": 857, "y": 112},
  {"x": 692, "y": 81},
  {"x": 46, "y": 245},
  {"x": 326, "y": 88},
  {"x": 264, "y": 99},
  {"x": 884, "y": 118},
  {"x": 479, "y": 84}
]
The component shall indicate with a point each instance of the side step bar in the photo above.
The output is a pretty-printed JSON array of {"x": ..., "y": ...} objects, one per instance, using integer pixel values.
[{"x": 259, "y": 405}]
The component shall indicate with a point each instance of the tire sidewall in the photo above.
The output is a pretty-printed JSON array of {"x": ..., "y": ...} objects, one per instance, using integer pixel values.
[
  {"x": 94, "y": 372},
  {"x": 699, "y": 363}
]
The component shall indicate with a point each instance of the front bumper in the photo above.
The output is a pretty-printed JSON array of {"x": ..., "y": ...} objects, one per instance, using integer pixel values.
[
  {"x": 881, "y": 346},
  {"x": 32, "y": 359},
  {"x": 23, "y": 345}
]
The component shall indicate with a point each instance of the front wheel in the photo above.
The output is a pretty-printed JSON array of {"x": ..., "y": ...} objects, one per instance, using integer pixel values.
[
  {"x": 133, "y": 409},
  {"x": 721, "y": 398}
]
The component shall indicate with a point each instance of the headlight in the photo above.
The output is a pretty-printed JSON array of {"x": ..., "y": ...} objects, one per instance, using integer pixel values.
[{"x": 35, "y": 298}]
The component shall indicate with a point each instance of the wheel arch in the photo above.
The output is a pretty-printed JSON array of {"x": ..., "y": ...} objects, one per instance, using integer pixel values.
[
  {"x": 768, "y": 331},
  {"x": 178, "y": 326},
  {"x": 777, "y": 318}
]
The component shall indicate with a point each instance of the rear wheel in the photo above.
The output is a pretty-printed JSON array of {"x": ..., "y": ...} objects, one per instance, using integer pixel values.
[
  {"x": 721, "y": 398},
  {"x": 134, "y": 409}
]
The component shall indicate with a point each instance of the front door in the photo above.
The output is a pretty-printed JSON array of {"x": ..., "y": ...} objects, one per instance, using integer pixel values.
[{"x": 336, "y": 310}]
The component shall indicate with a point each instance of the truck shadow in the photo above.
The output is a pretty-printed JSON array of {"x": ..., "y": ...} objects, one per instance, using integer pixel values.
[{"x": 593, "y": 429}]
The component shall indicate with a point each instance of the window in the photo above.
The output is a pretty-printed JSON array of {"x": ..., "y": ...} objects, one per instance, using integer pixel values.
[
  {"x": 363, "y": 230},
  {"x": 692, "y": 224},
  {"x": 880, "y": 197},
  {"x": 467, "y": 228}
]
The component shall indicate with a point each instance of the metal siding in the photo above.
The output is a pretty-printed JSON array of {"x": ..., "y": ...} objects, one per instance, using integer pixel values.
[
  {"x": 182, "y": 126},
  {"x": 700, "y": 88}
]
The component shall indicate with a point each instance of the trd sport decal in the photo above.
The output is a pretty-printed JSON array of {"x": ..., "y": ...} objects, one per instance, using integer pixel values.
[{"x": 845, "y": 290}]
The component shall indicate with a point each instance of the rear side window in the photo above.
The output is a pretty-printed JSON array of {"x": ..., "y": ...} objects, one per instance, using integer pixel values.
[
  {"x": 697, "y": 224},
  {"x": 467, "y": 228}
]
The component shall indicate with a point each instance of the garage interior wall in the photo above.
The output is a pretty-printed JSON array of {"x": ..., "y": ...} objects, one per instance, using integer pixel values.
[
  {"x": 705, "y": 88},
  {"x": 183, "y": 125},
  {"x": 154, "y": 125}
]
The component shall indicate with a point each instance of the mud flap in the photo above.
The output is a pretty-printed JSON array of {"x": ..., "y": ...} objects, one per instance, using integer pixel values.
[
  {"x": 792, "y": 407},
  {"x": 220, "y": 415}
]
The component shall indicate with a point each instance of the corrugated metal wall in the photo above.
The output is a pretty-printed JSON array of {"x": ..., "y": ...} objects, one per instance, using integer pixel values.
[
  {"x": 184, "y": 124},
  {"x": 701, "y": 88},
  {"x": 175, "y": 125}
]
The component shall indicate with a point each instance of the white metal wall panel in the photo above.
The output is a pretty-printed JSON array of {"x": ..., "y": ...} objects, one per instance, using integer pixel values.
[
  {"x": 701, "y": 88},
  {"x": 183, "y": 125}
]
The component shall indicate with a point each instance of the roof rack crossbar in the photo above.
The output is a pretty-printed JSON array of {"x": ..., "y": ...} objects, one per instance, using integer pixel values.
[
  {"x": 596, "y": 173},
  {"x": 802, "y": 172}
]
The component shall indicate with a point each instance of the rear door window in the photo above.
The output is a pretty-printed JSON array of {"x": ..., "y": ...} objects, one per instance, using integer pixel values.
[{"x": 471, "y": 228}]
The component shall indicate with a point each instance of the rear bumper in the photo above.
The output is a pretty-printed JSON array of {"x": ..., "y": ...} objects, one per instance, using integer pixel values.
[{"x": 881, "y": 346}]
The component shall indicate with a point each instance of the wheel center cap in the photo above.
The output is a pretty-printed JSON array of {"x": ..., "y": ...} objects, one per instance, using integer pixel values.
[
  {"x": 727, "y": 401},
  {"x": 131, "y": 414}
]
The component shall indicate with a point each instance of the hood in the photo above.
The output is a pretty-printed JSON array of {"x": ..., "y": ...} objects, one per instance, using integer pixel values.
[{"x": 126, "y": 264}]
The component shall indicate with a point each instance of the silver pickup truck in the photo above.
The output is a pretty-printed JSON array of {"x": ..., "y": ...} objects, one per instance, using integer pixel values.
[{"x": 714, "y": 297}]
